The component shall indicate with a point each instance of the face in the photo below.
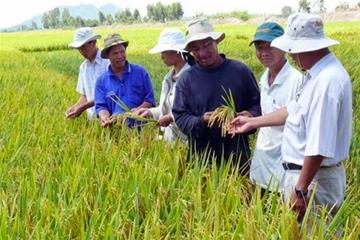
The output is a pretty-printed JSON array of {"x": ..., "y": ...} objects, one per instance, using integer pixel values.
[
  {"x": 299, "y": 59},
  {"x": 205, "y": 52},
  {"x": 170, "y": 58},
  {"x": 267, "y": 55},
  {"x": 117, "y": 56},
  {"x": 88, "y": 49}
]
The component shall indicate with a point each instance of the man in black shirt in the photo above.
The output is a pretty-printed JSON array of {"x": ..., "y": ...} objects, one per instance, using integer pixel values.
[{"x": 200, "y": 91}]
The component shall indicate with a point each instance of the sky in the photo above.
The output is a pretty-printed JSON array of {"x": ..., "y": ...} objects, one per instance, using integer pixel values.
[{"x": 16, "y": 11}]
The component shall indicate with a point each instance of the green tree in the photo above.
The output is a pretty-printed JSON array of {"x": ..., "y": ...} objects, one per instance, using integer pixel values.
[
  {"x": 34, "y": 25},
  {"x": 178, "y": 10},
  {"x": 286, "y": 11},
  {"x": 79, "y": 22},
  {"x": 136, "y": 15},
  {"x": 322, "y": 7},
  {"x": 65, "y": 18},
  {"x": 124, "y": 16},
  {"x": 54, "y": 18},
  {"x": 91, "y": 23},
  {"x": 45, "y": 21},
  {"x": 109, "y": 19},
  {"x": 304, "y": 6},
  {"x": 102, "y": 18},
  {"x": 343, "y": 6}
]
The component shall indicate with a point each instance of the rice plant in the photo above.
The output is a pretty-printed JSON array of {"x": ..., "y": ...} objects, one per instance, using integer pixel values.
[
  {"x": 72, "y": 179},
  {"x": 223, "y": 115}
]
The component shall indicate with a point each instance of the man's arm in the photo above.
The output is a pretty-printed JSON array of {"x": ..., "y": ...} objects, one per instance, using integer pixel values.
[
  {"x": 308, "y": 172},
  {"x": 104, "y": 116},
  {"x": 143, "y": 105},
  {"x": 243, "y": 124},
  {"x": 79, "y": 107}
]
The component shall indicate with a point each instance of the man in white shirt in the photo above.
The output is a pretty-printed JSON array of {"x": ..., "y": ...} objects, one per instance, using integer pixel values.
[
  {"x": 278, "y": 87},
  {"x": 318, "y": 122},
  {"x": 92, "y": 67}
]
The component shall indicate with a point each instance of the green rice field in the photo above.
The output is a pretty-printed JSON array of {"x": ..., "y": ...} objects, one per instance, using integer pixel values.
[{"x": 71, "y": 179}]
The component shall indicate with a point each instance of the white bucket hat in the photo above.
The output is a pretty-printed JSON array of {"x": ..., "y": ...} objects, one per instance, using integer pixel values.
[
  {"x": 82, "y": 36},
  {"x": 200, "y": 29},
  {"x": 170, "y": 39},
  {"x": 305, "y": 33}
]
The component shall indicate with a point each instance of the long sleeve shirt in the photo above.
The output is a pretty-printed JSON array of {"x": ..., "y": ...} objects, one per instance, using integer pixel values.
[{"x": 200, "y": 90}]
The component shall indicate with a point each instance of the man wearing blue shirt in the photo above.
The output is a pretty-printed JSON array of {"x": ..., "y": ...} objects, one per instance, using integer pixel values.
[{"x": 125, "y": 81}]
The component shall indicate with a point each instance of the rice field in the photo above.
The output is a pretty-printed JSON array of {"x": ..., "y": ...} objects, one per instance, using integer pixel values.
[{"x": 71, "y": 179}]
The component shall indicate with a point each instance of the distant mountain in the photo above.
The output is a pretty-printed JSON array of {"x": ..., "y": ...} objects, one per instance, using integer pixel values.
[{"x": 85, "y": 11}]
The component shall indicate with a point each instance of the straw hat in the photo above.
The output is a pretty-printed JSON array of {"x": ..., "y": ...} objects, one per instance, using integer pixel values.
[
  {"x": 200, "y": 29},
  {"x": 111, "y": 40}
]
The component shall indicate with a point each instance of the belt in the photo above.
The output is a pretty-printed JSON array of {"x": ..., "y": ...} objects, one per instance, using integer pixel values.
[{"x": 293, "y": 166}]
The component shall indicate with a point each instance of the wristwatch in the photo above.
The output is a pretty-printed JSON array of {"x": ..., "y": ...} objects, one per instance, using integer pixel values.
[{"x": 301, "y": 194}]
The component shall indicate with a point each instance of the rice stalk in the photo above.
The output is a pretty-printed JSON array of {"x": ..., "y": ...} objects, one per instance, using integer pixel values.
[{"x": 223, "y": 115}]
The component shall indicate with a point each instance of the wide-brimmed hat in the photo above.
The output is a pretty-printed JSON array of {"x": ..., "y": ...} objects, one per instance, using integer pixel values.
[
  {"x": 305, "y": 33},
  {"x": 267, "y": 32},
  {"x": 200, "y": 29},
  {"x": 111, "y": 40},
  {"x": 170, "y": 39},
  {"x": 82, "y": 36}
]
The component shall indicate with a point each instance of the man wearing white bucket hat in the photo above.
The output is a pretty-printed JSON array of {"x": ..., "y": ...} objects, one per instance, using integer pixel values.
[
  {"x": 318, "y": 122},
  {"x": 92, "y": 67},
  {"x": 170, "y": 45},
  {"x": 202, "y": 88}
]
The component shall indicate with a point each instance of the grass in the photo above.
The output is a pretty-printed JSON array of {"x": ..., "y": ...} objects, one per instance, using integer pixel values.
[{"x": 68, "y": 179}]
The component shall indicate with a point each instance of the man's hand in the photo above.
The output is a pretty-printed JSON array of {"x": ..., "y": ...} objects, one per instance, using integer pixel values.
[
  {"x": 241, "y": 124},
  {"x": 105, "y": 119},
  {"x": 299, "y": 204},
  {"x": 142, "y": 112},
  {"x": 206, "y": 117},
  {"x": 165, "y": 121},
  {"x": 74, "y": 111}
]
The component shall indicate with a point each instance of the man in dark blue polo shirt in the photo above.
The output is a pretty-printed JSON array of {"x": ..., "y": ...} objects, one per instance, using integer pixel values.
[
  {"x": 125, "y": 81},
  {"x": 200, "y": 91}
]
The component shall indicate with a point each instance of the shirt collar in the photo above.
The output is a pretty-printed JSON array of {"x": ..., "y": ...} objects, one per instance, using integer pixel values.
[
  {"x": 127, "y": 69},
  {"x": 98, "y": 58},
  {"x": 186, "y": 66},
  {"x": 280, "y": 77},
  {"x": 205, "y": 69}
]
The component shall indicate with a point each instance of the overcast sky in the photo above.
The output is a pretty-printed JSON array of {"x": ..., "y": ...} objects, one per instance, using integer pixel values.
[{"x": 14, "y": 12}]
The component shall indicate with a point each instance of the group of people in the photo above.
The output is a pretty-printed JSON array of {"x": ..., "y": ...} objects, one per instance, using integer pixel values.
[{"x": 304, "y": 118}]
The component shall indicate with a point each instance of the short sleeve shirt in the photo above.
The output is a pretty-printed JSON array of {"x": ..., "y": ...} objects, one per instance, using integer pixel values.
[
  {"x": 266, "y": 166},
  {"x": 319, "y": 119},
  {"x": 89, "y": 72}
]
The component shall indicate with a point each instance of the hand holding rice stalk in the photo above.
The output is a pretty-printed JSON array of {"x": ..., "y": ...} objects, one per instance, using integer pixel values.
[
  {"x": 127, "y": 114},
  {"x": 224, "y": 114}
]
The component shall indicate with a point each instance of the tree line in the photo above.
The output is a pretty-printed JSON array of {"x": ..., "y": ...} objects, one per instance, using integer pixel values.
[
  {"x": 315, "y": 6},
  {"x": 155, "y": 12}
]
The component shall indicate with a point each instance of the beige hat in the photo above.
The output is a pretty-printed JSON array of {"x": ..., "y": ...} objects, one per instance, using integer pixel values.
[
  {"x": 200, "y": 29},
  {"x": 111, "y": 40},
  {"x": 82, "y": 36},
  {"x": 305, "y": 33}
]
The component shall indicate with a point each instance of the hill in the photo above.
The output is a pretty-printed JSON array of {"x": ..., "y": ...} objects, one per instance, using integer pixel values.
[{"x": 85, "y": 11}]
